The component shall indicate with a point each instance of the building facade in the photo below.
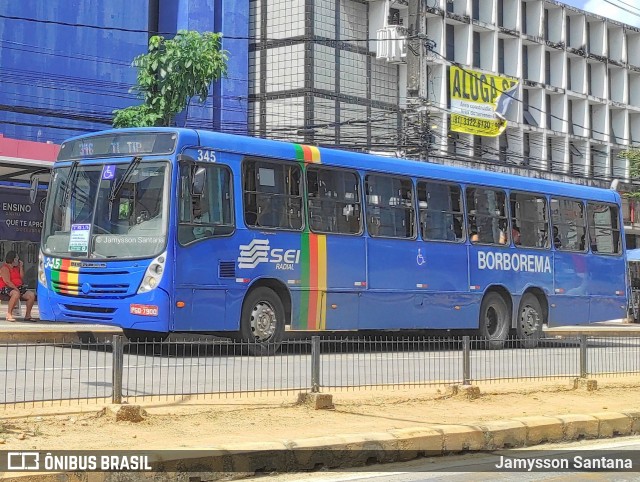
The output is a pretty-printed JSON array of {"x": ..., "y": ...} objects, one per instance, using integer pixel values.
[
  {"x": 338, "y": 72},
  {"x": 66, "y": 66},
  {"x": 313, "y": 78}
]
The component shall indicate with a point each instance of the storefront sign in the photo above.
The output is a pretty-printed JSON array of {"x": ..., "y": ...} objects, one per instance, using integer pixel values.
[{"x": 19, "y": 219}]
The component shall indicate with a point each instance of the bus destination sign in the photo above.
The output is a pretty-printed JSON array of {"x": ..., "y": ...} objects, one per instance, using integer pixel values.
[{"x": 118, "y": 145}]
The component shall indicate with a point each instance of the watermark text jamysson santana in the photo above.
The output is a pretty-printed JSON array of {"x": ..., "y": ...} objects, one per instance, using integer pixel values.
[{"x": 576, "y": 462}]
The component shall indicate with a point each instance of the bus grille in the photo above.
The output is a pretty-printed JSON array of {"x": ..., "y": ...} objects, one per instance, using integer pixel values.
[
  {"x": 95, "y": 290},
  {"x": 90, "y": 309}
]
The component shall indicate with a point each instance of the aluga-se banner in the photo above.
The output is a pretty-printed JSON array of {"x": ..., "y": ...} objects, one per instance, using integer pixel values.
[{"x": 479, "y": 101}]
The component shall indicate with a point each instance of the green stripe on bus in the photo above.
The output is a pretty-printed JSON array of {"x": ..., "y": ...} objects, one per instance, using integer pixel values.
[
  {"x": 55, "y": 276},
  {"x": 304, "y": 284}
]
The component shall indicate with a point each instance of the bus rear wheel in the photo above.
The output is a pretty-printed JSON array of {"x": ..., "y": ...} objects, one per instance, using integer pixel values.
[
  {"x": 262, "y": 323},
  {"x": 494, "y": 321},
  {"x": 529, "y": 322}
]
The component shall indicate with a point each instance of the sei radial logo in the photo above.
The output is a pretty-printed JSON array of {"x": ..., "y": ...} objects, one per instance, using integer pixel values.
[{"x": 258, "y": 251}]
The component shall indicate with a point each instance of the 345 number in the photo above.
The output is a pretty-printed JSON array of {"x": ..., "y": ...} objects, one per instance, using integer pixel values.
[{"x": 205, "y": 155}]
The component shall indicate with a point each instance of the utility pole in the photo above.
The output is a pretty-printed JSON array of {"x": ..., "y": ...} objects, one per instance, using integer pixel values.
[
  {"x": 416, "y": 88},
  {"x": 417, "y": 116}
]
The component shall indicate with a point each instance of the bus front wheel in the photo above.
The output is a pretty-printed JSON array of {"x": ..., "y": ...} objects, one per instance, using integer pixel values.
[
  {"x": 262, "y": 323},
  {"x": 529, "y": 322},
  {"x": 494, "y": 321}
]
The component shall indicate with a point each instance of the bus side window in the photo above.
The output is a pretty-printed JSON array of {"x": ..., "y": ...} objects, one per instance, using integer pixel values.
[
  {"x": 529, "y": 220},
  {"x": 208, "y": 213},
  {"x": 604, "y": 228},
  {"x": 440, "y": 211},
  {"x": 487, "y": 215},
  {"x": 334, "y": 204},
  {"x": 390, "y": 206},
  {"x": 569, "y": 224},
  {"x": 272, "y": 195}
]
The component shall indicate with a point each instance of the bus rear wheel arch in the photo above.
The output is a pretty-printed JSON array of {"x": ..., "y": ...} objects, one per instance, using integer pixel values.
[
  {"x": 530, "y": 318},
  {"x": 495, "y": 320},
  {"x": 262, "y": 321}
]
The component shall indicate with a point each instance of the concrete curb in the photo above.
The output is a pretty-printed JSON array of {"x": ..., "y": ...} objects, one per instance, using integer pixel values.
[
  {"x": 357, "y": 450},
  {"x": 47, "y": 333}
]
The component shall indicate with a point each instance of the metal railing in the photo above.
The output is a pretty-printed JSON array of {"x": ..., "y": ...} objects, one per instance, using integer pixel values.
[{"x": 197, "y": 368}]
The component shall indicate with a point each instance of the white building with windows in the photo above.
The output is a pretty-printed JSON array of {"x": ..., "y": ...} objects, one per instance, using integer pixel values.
[{"x": 334, "y": 72}]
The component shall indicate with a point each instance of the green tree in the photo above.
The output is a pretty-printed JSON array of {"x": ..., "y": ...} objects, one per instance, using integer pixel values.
[
  {"x": 633, "y": 156},
  {"x": 170, "y": 74}
]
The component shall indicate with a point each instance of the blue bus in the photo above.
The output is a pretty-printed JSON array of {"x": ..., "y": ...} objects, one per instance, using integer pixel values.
[{"x": 164, "y": 230}]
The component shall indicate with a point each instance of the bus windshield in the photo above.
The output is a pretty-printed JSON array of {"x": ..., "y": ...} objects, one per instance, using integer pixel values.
[{"x": 107, "y": 210}]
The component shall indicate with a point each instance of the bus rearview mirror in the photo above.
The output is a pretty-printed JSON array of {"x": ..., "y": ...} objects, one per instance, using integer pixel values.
[{"x": 33, "y": 189}]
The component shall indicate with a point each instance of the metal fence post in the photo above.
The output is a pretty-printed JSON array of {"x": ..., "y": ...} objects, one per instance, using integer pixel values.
[
  {"x": 583, "y": 356},
  {"x": 466, "y": 360},
  {"x": 315, "y": 364},
  {"x": 117, "y": 346}
]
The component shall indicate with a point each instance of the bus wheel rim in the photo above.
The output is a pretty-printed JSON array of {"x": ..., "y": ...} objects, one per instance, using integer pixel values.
[
  {"x": 529, "y": 321},
  {"x": 263, "y": 321}
]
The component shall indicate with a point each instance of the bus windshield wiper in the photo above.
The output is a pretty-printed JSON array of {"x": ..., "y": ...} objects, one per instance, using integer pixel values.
[
  {"x": 70, "y": 183},
  {"x": 116, "y": 188}
]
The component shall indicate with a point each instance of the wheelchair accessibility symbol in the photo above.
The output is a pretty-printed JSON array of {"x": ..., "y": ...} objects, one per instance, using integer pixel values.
[
  {"x": 108, "y": 172},
  {"x": 419, "y": 258}
]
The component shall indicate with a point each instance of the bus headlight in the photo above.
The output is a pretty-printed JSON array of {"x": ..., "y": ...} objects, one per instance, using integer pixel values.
[
  {"x": 153, "y": 275},
  {"x": 42, "y": 279}
]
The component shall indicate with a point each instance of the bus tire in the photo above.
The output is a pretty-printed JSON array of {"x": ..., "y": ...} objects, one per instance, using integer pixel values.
[
  {"x": 529, "y": 321},
  {"x": 262, "y": 322},
  {"x": 140, "y": 336},
  {"x": 495, "y": 321}
]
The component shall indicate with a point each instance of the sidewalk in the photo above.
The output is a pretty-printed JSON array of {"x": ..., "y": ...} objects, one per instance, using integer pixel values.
[
  {"x": 39, "y": 331},
  {"x": 275, "y": 434}
]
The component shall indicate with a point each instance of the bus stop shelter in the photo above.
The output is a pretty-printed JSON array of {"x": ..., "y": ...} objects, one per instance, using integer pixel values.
[{"x": 20, "y": 220}]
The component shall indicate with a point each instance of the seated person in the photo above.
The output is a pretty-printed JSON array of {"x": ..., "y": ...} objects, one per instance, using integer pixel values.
[
  {"x": 11, "y": 285},
  {"x": 515, "y": 235},
  {"x": 557, "y": 242}
]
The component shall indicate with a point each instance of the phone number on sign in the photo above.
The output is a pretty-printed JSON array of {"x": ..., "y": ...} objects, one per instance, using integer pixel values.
[{"x": 472, "y": 122}]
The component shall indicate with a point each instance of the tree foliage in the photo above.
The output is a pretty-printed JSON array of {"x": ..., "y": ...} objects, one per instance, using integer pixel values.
[
  {"x": 633, "y": 156},
  {"x": 170, "y": 74}
]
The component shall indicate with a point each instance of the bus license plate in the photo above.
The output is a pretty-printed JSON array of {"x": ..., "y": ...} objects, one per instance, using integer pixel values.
[{"x": 143, "y": 310}]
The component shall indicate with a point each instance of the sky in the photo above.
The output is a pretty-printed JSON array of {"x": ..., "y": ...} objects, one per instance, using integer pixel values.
[{"x": 626, "y": 11}]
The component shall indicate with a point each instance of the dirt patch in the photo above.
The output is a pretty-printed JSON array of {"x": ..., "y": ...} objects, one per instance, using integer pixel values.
[{"x": 212, "y": 422}]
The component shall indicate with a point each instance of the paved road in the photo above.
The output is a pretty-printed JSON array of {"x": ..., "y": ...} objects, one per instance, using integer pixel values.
[
  {"x": 481, "y": 467},
  {"x": 33, "y": 372}
]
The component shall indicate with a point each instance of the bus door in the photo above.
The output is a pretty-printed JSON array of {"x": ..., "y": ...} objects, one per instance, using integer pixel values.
[
  {"x": 204, "y": 254},
  {"x": 336, "y": 247},
  {"x": 569, "y": 304},
  {"x": 606, "y": 265}
]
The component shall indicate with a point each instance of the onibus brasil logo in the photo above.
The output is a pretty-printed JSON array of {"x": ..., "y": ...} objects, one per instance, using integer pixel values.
[{"x": 258, "y": 251}]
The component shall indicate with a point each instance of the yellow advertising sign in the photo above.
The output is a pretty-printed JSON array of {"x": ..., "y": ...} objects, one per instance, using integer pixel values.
[{"x": 474, "y": 100}]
